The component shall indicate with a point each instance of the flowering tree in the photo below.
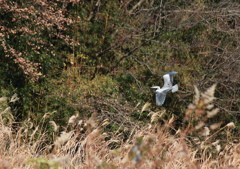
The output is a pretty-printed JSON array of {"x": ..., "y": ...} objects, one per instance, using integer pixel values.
[{"x": 31, "y": 34}]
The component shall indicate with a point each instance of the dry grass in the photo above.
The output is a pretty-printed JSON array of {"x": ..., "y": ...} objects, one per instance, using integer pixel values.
[{"x": 84, "y": 144}]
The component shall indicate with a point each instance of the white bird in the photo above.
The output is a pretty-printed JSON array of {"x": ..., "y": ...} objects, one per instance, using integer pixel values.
[{"x": 168, "y": 85}]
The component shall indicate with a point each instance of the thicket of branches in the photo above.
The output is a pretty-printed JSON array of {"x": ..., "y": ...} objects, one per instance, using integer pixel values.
[{"x": 133, "y": 42}]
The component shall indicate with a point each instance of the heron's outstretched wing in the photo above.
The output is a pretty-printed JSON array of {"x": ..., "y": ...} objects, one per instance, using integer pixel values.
[
  {"x": 160, "y": 97},
  {"x": 174, "y": 88},
  {"x": 168, "y": 79},
  {"x": 167, "y": 82},
  {"x": 171, "y": 76}
]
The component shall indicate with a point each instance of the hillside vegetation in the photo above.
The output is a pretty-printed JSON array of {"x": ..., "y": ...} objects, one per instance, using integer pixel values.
[{"x": 76, "y": 77}]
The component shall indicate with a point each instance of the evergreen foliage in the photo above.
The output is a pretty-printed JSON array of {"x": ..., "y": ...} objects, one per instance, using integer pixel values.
[{"x": 102, "y": 56}]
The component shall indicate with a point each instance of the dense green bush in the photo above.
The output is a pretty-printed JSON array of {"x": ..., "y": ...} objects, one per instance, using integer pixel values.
[{"x": 50, "y": 48}]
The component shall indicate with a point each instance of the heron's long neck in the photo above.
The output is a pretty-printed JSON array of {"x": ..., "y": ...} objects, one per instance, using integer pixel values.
[{"x": 156, "y": 87}]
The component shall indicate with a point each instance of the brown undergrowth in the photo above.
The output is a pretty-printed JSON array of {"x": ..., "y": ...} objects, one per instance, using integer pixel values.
[{"x": 85, "y": 143}]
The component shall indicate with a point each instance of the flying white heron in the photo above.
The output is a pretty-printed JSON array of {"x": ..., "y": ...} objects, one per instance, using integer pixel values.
[{"x": 168, "y": 85}]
